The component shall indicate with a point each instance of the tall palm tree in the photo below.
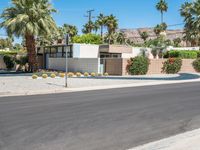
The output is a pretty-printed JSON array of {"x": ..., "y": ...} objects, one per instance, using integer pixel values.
[
  {"x": 144, "y": 35},
  {"x": 112, "y": 25},
  {"x": 160, "y": 28},
  {"x": 120, "y": 38},
  {"x": 71, "y": 30},
  {"x": 101, "y": 22},
  {"x": 162, "y": 6},
  {"x": 190, "y": 12},
  {"x": 29, "y": 19},
  {"x": 88, "y": 27}
]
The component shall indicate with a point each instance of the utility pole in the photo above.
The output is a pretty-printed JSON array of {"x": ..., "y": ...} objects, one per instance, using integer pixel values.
[{"x": 89, "y": 16}]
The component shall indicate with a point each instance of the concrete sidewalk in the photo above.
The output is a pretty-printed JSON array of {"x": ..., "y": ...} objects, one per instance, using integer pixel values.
[
  {"x": 25, "y": 85},
  {"x": 186, "y": 141}
]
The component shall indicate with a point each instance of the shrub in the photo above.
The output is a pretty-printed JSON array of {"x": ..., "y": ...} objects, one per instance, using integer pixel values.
[
  {"x": 78, "y": 74},
  {"x": 8, "y": 60},
  {"x": 184, "y": 54},
  {"x": 62, "y": 75},
  {"x": 106, "y": 74},
  {"x": 70, "y": 74},
  {"x": 87, "y": 39},
  {"x": 53, "y": 75},
  {"x": 99, "y": 74},
  {"x": 196, "y": 65},
  {"x": 86, "y": 74},
  {"x": 172, "y": 65},
  {"x": 198, "y": 54},
  {"x": 34, "y": 76},
  {"x": 93, "y": 74},
  {"x": 44, "y": 76},
  {"x": 138, "y": 65}
]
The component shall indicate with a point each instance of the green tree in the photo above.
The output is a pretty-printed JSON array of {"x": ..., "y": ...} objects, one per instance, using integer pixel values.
[
  {"x": 177, "y": 42},
  {"x": 160, "y": 28},
  {"x": 190, "y": 12},
  {"x": 29, "y": 19},
  {"x": 112, "y": 25},
  {"x": 71, "y": 30},
  {"x": 87, "y": 39},
  {"x": 88, "y": 27},
  {"x": 162, "y": 6},
  {"x": 101, "y": 22},
  {"x": 144, "y": 35},
  {"x": 120, "y": 38}
]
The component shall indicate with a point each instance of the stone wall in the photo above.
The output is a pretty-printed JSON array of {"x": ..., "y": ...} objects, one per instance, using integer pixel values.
[{"x": 156, "y": 65}]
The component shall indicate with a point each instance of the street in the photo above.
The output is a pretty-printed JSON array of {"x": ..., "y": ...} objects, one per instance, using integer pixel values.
[{"x": 112, "y": 119}]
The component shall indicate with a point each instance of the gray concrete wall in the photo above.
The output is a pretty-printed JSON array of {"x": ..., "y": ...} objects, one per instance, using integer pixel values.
[{"x": 75, "y": 64}]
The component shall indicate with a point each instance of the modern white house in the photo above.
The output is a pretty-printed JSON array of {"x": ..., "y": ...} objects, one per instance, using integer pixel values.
[{"x": 82, "y": 57}]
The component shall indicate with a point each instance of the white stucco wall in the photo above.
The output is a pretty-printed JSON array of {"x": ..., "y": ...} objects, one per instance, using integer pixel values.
[
  {"x": 85, "y": 51},
  {"x": 75, "y": 64},
  {"x": 136, "y": 51}
]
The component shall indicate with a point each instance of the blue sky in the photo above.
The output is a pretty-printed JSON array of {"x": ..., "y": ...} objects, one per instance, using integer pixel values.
[{"x": 130, "y": 13}]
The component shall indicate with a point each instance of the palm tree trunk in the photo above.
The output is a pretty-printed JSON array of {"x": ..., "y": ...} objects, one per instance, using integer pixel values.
[
  {"x": 102, "y": 32},
  {"x": 161, "y": 17},
  {"x": 31, "y": 50}
]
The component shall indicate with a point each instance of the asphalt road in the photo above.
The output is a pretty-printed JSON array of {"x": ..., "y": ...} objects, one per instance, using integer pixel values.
[{"x": 114, "y": 119}]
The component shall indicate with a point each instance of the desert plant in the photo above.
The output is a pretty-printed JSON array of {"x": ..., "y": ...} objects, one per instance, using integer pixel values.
[
  {"x": 93, "y": 74},
  {"x": 70, "y": 74},
  {"x": 86, "y": 74},
  {"x": 62, "y": 75},
  {"x": 34, "y": 76},
  {"x": 100, "y": 74},
  {"x": 78, "y": 74},
  {"x": 196, "y": 65},
  {"x": 44, "y": 76},
  {"x": 8, "y": 60},
  {"x": 53, "y": 75},
  {"x": 138, "y": 65},
  {"x": 106, "y": 74},
  {"x": 172, "y": 65}
]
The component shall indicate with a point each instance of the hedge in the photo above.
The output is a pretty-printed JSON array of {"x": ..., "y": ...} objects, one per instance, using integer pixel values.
[
  {"x": 183, "y": 54},
  {"x": 9, "y": 52}
]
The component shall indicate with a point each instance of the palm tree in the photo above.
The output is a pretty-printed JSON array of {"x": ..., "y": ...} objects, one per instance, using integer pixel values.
[
  {"x": 112, "y": 25},
  {"x": 190, "y": 12},
  {"x": 71, "y": 30},
  {"x": 29, "y": 19},
  {"x": 160, "y": 28},
  {"x": 101, "y": 22},
  {"x": 88, "y": 27},
  {"x": 162, "y": 6},
  {"x": 121, "y": 38},
  {"x": 144, "y": 35}
]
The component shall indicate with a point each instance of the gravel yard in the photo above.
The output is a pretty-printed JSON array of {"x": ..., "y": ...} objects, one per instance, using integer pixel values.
[{"x": 14, "y": 84}]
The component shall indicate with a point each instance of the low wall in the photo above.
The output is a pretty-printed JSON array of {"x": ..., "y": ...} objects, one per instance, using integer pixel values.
[
  {"x": 75, "y": 64},
  {"x": 156, "y": 65},
  {"x": 2, "y": 64}
]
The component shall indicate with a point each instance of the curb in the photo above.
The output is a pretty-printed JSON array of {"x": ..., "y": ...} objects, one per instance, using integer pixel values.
[
  {"x": 66, "y": 90},
  {"x": 185, "y": 141}
]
